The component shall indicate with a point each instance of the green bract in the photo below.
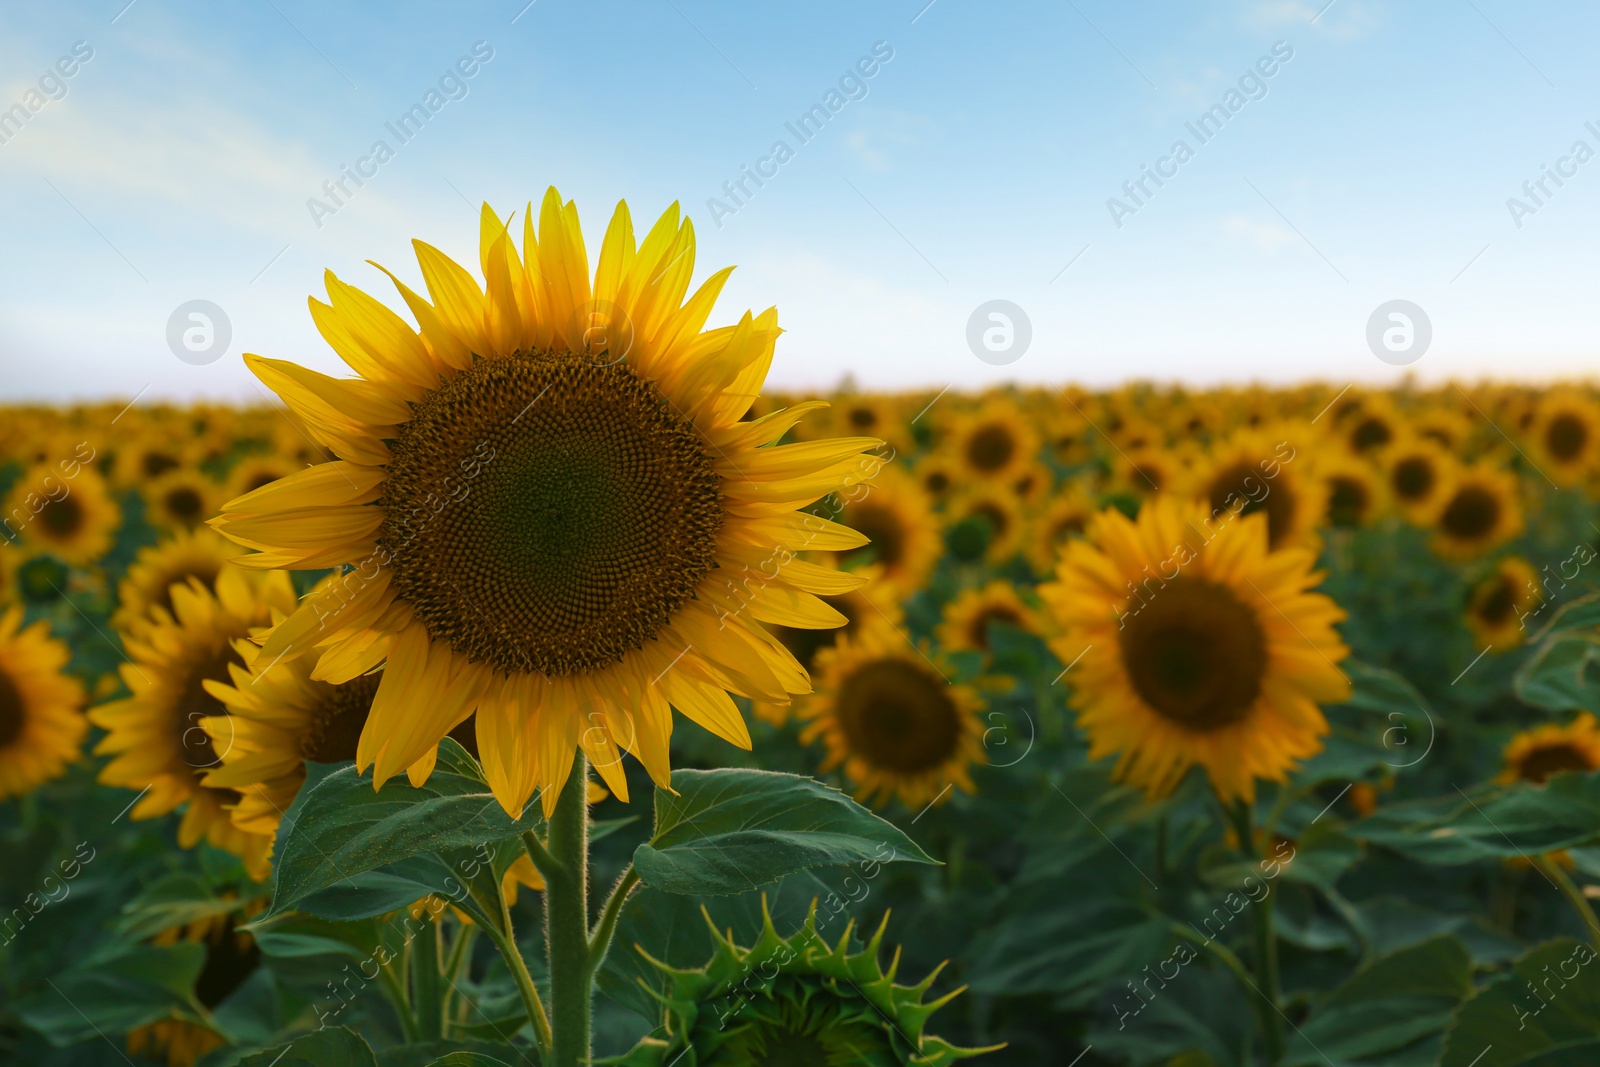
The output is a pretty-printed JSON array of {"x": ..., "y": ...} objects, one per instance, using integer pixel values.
[{"x": 794, "y": 1001}]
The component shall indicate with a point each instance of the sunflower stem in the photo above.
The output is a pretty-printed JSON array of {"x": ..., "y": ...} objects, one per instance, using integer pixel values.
[
  {"x": 456, "y": 970},
  {"x": 1266, "y": 945},
  {"x": 600, "y": 940},
  {"x": 566, "y": 900},
  {"x": 506, "y": 943},
  {"x": 1559, "y": 878},
  {"x": 425, "y": 985}
]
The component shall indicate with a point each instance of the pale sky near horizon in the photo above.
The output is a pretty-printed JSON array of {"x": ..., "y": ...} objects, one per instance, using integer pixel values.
[{"x": 1377, "y": 161}]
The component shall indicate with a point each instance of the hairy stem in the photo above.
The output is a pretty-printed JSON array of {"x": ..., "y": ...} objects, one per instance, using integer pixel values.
[
  {"x": 566, "y": 901},
  {"x": 600, "y": 941}
]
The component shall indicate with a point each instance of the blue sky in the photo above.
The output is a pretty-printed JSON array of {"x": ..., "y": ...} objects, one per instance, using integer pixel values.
[{"x": 975, "y": 164}]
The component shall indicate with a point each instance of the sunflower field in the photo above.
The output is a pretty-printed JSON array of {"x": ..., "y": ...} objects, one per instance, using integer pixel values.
[{"x": 547, "y": 691}]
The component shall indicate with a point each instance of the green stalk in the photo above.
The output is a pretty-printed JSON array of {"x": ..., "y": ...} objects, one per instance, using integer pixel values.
[
  {"x": 456, "y": 969},
  {"x": 506, "y": 944},
  {"x": 1266, "y": 945},
  {"x": 425, "y": 987},
  {"x": 600, "y": 941},
  {"x": 566, "y": 903},
  {"x": 394, "y": 987},
  {"x": 1552, "y": 870}
]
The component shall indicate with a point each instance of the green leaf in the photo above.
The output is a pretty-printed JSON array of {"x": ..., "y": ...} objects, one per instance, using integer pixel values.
[
  {"x": 293, "y": 934},
  {"x": 125, "y": 988},
  {"x": 335, "y": 1047},
  {"x": 176, "y": 900},
  {"x": 1395, "y": 1007},
  {"x": 1514, "y": 820},
  {"x": 468, "y": 1059},
  {"x": 1545, "y": 1012},
  {"x": 729, "y": 831},
  {"x": 341, "y": 827},
  {"x": 1556, "y": 676},
  {"x": 448, "y": 1053}
]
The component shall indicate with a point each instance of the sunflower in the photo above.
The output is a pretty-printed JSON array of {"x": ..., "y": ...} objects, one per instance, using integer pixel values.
[
  {"x": 1548, "y": 749},
  {"x": 277, "y": 716},
  {"x": 965, "y": 625},
  {"x": 231, "y": 958},
  {"x": 886, "y": 713},
  {"x": 74, "y": 519},
  {"x": 1498, "y": 603},
  {"x": 1481, "y": 509},
  {"x": 1371, "y": 425},
  {"x": 938, "y": 475},
  {"x": 180, "y": 499},
  {"x": 1197, "y": 646},
  {"x": 1353, "y": 490},
  {"x": 986, "y": 523},
  {"x": 156, "y": 452},
  {"x": 552, "y": 506},
  {"x": 254, "y": 472},
  {"x": 1566, "y": 436},
  {"x": 895, "y": 517},
  {"x": 1416, "y": 474},
  {"x": 872, "y": 416},
  {"x": 996, "y": 442},
  {"x": 1254, "y": 470},
  {"x": 156, "y": 569},
  {"x": 156, "y": 735},
  {"x": 873, "y": 601},
  {"x": 795, "y": 1000},
  {"x": 1065, "y": 517},
  {"x": 41, "y": 707},
  {"x": 1147, "y": 470}
]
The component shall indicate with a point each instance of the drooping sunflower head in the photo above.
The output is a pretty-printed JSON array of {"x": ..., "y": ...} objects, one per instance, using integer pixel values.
[
  {"x": 794, "y": 1001},
  {"x": 148, "y": 584},
  {"x": 1550, "y": 749},
  {"x": 1195, "y": 645},
  {"x": 553, "y": 511},
  {"x": 1498, "y": 602},
  {"x": 157, "y": 735},
  {"x": 41, "y": 706},
  {"x": 1482, "y": 509},
  {"x": 887, "y": 713},
  {"x": 73, "y": 518}
]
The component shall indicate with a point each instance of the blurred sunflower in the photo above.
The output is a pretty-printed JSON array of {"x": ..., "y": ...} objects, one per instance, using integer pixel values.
[
  {"x": 938, "y": 476},
  {"x": 157, "y": 568},
  {"x": 254, "y": 472},
  {"x": 901, "y": 531},
  {"x": 986, "y": 523},
  {"x": 887, "y": 715},
  {"x": 994, "y": 443},
  {"x": 1353, "y": 490},
  {"x": 1254, "y": 470},
  {"x": 1482, "y": 509},
  {"x": 550, "y": 499},
  {"x": 41, "y": 706},
  {"x": 1498, "y": 602},
  {"x": 73, "y": 519},
  {"x": 1371, "y": 425},
  {"x": 1417, "y": 474},
  {"x": 966, "y": 620},
  {"x": 157, "y": 736},
  {"x": 232, "y": 957},
  {"x": 1566, "y": 436},
  {"x": 1195, "y": 650},
  {"x": 180, "y": 499},
  {"x": 1065, "y": 517},
  {"x": 1549, "y": 749},
  {"x": 873, "y": 601}
]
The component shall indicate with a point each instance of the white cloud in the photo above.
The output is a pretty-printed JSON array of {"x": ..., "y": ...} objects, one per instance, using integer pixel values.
[{"x": 1266, "y": 235}]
